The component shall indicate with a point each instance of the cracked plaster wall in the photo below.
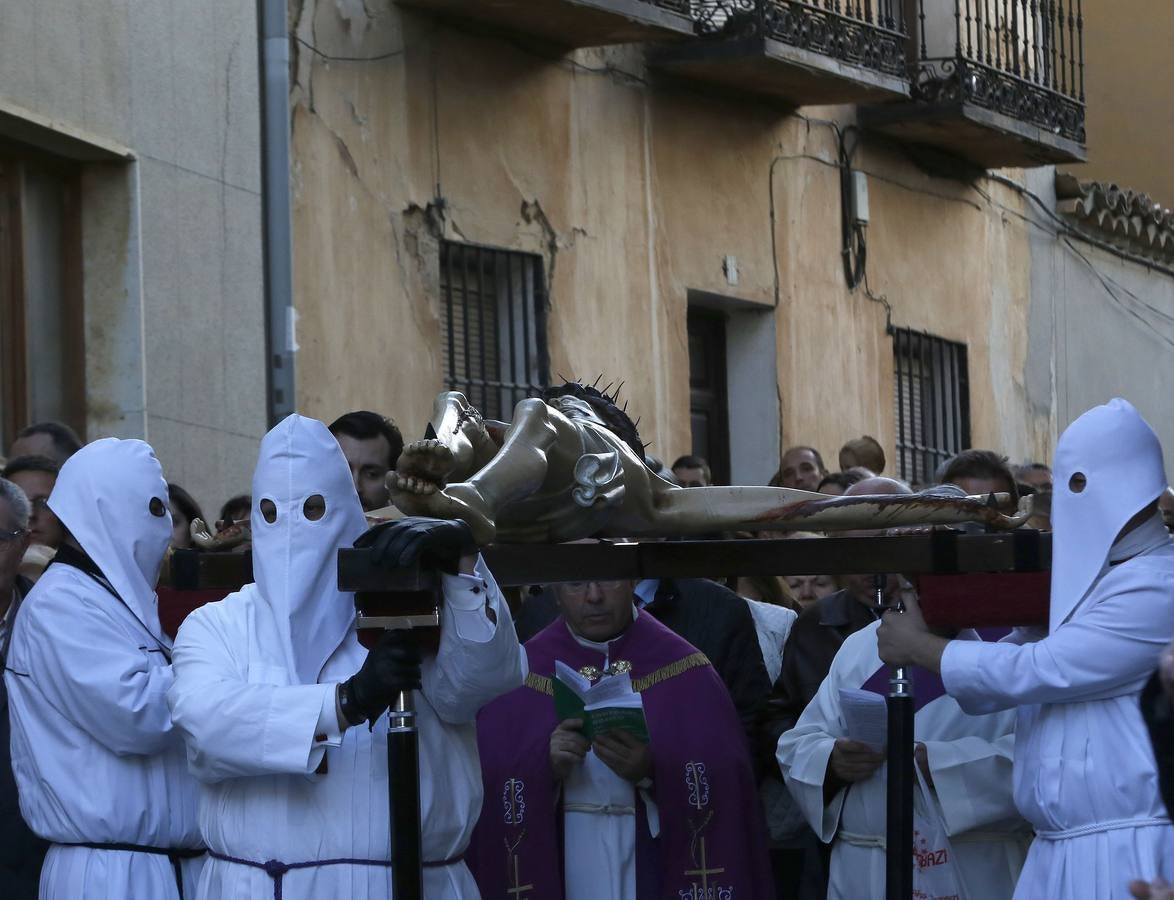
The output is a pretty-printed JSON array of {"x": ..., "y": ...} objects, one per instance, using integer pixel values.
[
  {"x": 633, "y": 195},
  {"x": 171, "y": 241}
]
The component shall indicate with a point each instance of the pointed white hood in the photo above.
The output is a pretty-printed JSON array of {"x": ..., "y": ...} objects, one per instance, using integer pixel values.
[
  {"x": 1120, "y": 459},
  {"x": 295, "y": 558},
  {"x": 103, "y": 496}
]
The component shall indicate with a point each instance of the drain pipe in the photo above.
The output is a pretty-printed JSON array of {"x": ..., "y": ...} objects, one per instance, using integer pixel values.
[{"x": 276, "y": 224}]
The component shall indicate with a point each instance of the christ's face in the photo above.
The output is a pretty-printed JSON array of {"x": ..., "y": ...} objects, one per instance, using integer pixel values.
[
  {"x": 574, "y": 408},
  {"x": 596, "y": 610}
]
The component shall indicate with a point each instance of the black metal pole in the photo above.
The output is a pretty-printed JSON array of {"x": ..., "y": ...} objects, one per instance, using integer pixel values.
[
  {"x": 403, "y": 795},
  {"x": 899, "y": 818}
]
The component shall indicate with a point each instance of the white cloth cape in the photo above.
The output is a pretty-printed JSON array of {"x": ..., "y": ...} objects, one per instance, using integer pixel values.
[
  {"x": 255, "y": 738},
  {"x": 969, "y": 757},
  {"x": 1083, "y": 760},
  {"x": 94, "y": 752}
]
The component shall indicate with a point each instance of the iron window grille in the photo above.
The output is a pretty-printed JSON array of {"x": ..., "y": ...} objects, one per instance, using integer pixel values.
[
  {"x": 932, "y": 400},
  {"x": 493, "y": 325}
]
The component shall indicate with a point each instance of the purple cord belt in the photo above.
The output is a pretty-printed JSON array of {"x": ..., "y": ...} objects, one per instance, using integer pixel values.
[{"x": 276, "y": 869}]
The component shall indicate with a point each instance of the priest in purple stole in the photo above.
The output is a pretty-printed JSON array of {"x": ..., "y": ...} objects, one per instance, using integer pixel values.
[{"x": 617, "y": 819}]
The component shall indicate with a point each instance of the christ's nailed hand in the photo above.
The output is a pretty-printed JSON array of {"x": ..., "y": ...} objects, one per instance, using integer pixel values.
[
  {"x": 567, "y": 747},
  {"x": 625, "y": 754}
]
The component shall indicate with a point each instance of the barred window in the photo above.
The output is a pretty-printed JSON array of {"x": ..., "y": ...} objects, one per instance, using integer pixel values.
[
  {"x": 932, "y": 403},
  {"x": 493, "y": 325}
]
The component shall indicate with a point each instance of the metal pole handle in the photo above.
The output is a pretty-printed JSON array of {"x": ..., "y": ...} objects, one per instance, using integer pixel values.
[
  {"x": 899, "y": 805},
  {"x": 403, "y": 795}
]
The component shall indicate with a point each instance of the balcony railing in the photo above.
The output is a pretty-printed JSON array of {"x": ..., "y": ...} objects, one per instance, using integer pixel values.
[
  {"x": 1021, "y": 58},
  {"x": 800, "y": 51},
  {"x": 866, "y": 33}
]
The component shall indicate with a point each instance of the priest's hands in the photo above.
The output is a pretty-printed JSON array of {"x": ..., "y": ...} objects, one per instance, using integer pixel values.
[
  {"x": 393, "y": 665},
  {"x": 625, "y": 754},
  {"x": 904, "y": 639},
  {"x": 568, "y": 747},
  {"x": 853, "y": 761}
]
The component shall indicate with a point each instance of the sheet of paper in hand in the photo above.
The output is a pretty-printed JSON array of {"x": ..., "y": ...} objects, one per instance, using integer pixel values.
[
  {"x": 866, "y": 716},
  {"x": 606, "y": 705}
]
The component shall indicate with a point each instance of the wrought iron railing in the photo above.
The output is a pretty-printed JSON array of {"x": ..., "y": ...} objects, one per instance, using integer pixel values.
[
  {"x": 1022, "y": 58},
  {"x": 867, "y": 33}
]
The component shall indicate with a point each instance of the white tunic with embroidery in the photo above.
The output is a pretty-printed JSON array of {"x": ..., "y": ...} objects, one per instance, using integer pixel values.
[
  {"x": 599, "y": 823},
  {"x": 255, "y": 740},
  {"x": 969, "y": 758},
  {"x": 1085, "y": 775}
]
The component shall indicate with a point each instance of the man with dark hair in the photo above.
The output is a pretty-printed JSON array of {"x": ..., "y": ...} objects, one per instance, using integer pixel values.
[
  {"x": 801, "y": 467},
  {"x": 981, "y": 472},
  {"x": 838, "y": 482},
  {"x": 36, "y": 476},
  {"x": 371, "y": 444},
  {"x": 52, "y": 439},
  {"x": 21, "y": 851},
  {"x": 692, "y": 471},
  {"x": 235, "y": 509}
]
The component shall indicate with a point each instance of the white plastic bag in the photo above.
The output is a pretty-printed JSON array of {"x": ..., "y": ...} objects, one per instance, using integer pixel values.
[{"x": 934, "y": 876}]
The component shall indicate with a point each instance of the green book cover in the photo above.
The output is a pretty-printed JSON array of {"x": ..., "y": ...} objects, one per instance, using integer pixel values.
[{"x": 607, "y": 705}]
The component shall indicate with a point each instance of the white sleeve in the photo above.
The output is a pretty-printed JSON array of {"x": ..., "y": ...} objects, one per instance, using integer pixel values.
[
  {"x": 234, "y": 727},
  {"x": 803, "y": 754},
  {"x": 1110, "y": 648},
  {"x": 95, "y": 674},
  {"x": 972, "y": 778},
  {"x": 479, "y": 659}
]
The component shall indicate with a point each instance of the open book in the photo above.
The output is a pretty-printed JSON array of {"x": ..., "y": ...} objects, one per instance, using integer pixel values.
[{"x": 608, "y": 704}]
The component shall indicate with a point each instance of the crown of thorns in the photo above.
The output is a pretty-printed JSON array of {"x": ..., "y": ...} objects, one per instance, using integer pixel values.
[{"x": 607, "y": 407}]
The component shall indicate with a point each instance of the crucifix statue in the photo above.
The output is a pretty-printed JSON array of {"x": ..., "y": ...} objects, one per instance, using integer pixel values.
[{"x": 571, "y": 465}]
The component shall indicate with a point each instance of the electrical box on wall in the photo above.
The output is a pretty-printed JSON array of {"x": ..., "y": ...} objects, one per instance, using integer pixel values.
[{"x": 859, "y": 186}]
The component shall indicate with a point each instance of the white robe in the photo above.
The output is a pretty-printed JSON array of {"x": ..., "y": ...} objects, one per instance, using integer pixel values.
[
  {"x": 94, "y": 753},
  {"x": 1085, "y": 775},
  {"x": 969, "y": 758},
  {"x": 255, "y": 740},
  {"x": 599, "y": 823}
]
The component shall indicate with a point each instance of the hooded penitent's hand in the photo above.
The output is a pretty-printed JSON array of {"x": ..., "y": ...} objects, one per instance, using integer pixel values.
[
  {"x": 434, "y": 543},
  {"x": 1157, "y": 890},
  {"x": 904, "y": 639},
  {"x": 393, "y": 665}
]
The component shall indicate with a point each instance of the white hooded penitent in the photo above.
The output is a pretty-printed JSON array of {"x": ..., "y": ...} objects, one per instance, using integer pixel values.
[
  {"x": 1108, "y": 467},
  {"x": 112, "y": 498},
  {"x": 302, "y": 472}
]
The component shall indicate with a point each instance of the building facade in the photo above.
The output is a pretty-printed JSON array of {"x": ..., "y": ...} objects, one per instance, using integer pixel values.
[
  {"x": 774, "y": 221},
  {"x": 673, "y": 177},
  {"x": 130, "y": 261}
]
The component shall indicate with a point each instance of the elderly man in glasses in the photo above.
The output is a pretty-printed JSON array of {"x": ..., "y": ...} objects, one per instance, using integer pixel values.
[
  {"x": 597, "y": 806},
  {"x": 21, "y": 851}
]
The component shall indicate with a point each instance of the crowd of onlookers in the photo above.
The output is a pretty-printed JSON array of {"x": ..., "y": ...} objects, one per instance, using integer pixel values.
[{"x": 772, "y": 640}]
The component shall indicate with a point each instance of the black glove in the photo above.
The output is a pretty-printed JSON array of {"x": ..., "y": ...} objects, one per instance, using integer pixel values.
[
  {"x": 435, "y": 543},
  {"x": 393, "y": 665}
]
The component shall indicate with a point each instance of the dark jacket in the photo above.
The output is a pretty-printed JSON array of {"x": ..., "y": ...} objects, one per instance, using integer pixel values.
[
  {"x": 1157, "y": 708},
  {"x": 712, "y": 618},
  {"x": 718, "y": 622},
  {"x": 813, "y": 643},
  {"x": 21, "y": 851}
]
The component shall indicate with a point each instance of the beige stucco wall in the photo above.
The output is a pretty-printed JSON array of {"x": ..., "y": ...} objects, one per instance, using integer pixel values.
[
  {"x": 172, "y": 250},
  {"x": 633, "y": 194},
  {"x": 1127, "y": 83}
]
